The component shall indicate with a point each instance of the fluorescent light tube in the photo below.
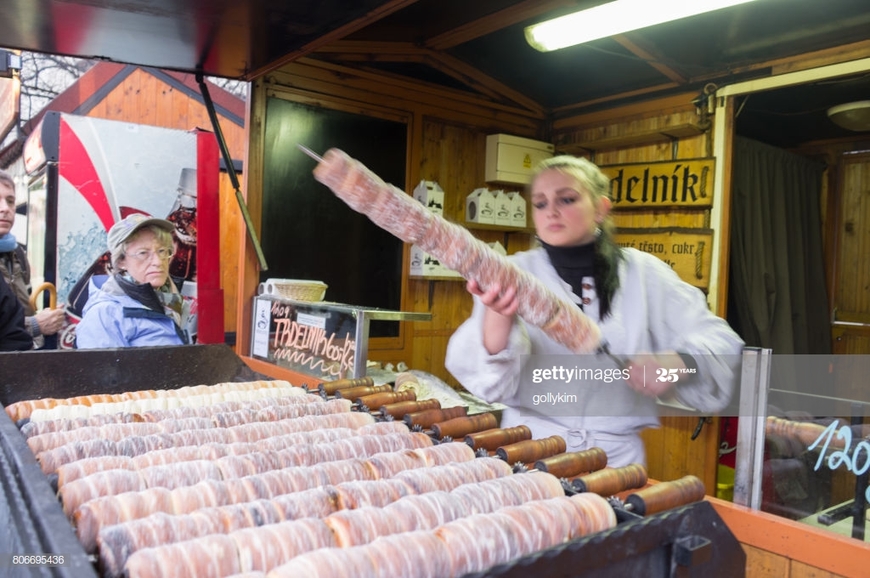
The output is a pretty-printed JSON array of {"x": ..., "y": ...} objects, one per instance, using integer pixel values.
[{"x": 615, "y": 18}]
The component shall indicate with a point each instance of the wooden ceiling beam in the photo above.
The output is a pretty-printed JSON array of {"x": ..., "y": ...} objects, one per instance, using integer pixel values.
[
  {"x": 651, "y": 57},
  {"x": 578, "y": 107},
  {"x": 496, "y": 21},
  {"x": 348, "y": 57},
  {"x": 381, "y": 11},
  {"x": 656, "y": 106},
  {"x": 474, "y": 78},
  {"x": 371, "y": 47},
  {"x": 377, "y": 51},
  {"x": 823, "y": 57},
  {"x": 806, "y": 60},
  {"x": 399, "y": 87}
]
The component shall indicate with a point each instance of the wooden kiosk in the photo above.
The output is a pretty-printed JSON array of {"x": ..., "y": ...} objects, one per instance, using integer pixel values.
[{"x": 439, "y": 133}]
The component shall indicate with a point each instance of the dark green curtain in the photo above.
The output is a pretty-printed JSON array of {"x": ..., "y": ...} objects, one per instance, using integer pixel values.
[{"x": 777, "y": 293}]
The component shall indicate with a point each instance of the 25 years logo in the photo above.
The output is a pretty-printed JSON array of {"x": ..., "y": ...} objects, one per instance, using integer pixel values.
[{"x": 666, "y": 375}]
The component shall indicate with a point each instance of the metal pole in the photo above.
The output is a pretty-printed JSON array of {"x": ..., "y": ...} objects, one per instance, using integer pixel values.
[
  {"x": 361, "y": 351},
  {"x": 228, "y": 161},
  {"x": 749, "y": 460}
]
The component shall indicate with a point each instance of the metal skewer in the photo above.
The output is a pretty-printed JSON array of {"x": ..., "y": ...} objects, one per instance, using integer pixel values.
[
  {"x": 309, "y": 152},
  {"x": 620, "y": 362}
]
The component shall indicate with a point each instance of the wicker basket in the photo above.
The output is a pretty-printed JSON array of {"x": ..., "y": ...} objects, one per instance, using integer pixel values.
[{"x": 296, "y": 289}]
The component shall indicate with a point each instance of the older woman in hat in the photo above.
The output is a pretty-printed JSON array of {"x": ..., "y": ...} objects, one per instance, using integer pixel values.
[{"x": 138, "y": 305}]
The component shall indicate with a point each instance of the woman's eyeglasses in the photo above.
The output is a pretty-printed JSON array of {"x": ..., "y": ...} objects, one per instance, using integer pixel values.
[{"x": 147, "y": 254}]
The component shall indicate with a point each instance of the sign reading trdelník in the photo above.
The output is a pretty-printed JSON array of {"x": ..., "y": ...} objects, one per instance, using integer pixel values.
[{"x": 686, "y": 183}]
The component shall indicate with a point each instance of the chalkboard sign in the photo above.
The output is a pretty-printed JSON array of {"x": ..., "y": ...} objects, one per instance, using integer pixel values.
[{"x": 308, "y": 232}]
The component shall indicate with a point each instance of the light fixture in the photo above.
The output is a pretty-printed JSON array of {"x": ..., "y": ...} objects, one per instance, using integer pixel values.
[
  {"x": 852, "y": 115},
  {"x": 615, "y": 18},
  {"x": 10, "y": 62},
  {"x": 705, "y": 105}
]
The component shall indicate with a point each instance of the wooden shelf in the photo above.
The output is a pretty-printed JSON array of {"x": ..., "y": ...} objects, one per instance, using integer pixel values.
[
  {"x": 500, "y": 228},
  {"x": 434, "y": 278},
  {"x": 664, "y": 134}
]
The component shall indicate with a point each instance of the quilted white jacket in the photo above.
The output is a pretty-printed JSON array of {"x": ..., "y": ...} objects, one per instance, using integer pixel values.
[{"x": 652, "y": 311}]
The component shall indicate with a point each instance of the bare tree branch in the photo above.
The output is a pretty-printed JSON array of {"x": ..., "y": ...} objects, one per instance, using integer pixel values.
[
  {"x": 45, "y": 76},
  {"x": 234, "y": 87}
]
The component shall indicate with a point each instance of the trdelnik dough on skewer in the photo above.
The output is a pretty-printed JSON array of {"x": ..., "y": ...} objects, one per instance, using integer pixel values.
[{"x": 394, "y": 211}]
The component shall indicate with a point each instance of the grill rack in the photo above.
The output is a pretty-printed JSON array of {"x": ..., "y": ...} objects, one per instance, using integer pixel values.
[
  {"x": 684, "y": 542},
  {"x": 677, "y": 543},
  {"x": 31, "y": 519}
]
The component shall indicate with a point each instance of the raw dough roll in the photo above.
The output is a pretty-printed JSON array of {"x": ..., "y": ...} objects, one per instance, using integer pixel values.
[{"x": 394, "y": 211}]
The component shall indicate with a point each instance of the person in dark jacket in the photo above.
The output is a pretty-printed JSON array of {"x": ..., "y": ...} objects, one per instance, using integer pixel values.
[
  {"x": 15, "y": 269},
  {"x": 13, "y": 336}
]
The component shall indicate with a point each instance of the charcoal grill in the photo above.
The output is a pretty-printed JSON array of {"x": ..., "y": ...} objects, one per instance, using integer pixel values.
[
  {"x": 683, "y": 542},
  {"x": 31, "y": 520}
]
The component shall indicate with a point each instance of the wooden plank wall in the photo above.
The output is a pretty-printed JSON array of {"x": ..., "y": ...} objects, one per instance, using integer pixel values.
[
  {"x": 142, "y": 98},
  {"x": 447, "y": 145},
  {"x": 448, "y": 301},
  {"x": 447, "y": 142}
]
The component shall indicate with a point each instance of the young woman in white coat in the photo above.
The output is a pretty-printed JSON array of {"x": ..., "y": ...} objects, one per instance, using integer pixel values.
[{"x": 648, "y": 316}]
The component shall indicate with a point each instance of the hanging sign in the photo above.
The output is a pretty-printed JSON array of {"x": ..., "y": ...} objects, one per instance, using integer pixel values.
[
  {"x": 685, "y": 183},
  {"x": 687, "y": 251}
]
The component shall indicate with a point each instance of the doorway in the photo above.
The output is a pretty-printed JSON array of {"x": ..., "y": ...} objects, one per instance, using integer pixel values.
[{"x": 759, "y": 111}]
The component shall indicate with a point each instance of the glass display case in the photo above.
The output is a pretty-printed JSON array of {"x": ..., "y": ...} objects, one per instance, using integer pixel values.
[{"x": 803, "y": 451}]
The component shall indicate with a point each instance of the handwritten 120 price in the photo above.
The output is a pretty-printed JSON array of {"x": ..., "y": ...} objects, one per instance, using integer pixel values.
[{"x": 841, "y": 457}]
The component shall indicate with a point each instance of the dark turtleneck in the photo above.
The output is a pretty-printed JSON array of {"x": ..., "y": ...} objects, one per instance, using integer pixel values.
[
  {"x": 573, "y": 263},
  {"x": 141, "y": 292}
]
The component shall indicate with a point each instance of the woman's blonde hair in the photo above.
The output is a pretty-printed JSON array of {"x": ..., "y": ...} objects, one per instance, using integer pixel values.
[
  {"x": 607, "y": 252},
  {"x": 587, "y": 174}
]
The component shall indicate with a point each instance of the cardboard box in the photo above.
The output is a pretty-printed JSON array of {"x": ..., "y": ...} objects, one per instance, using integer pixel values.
[
  {"x": 432, "y": 267},
  {"x": 503, "y": 209},
  {"x": 511, "y": 159},
  {"x": 418, "y": 256},
  {"x": 498, "y": 248},
  {"x": 480, "y": 207},
  {"x": 435, "y": 269},
  {"x": 425, "y": 265},
  {"x": 431, "y": 195},
  {"x": 519, "y": 210}
]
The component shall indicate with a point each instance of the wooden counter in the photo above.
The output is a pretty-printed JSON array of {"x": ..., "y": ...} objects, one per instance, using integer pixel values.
[
  {"x": 782, "y": 548},
  {"x": 275, "y": 372}
]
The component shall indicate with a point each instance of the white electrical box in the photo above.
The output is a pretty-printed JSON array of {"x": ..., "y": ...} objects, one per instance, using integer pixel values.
[{"x": 511, "y": 159}]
